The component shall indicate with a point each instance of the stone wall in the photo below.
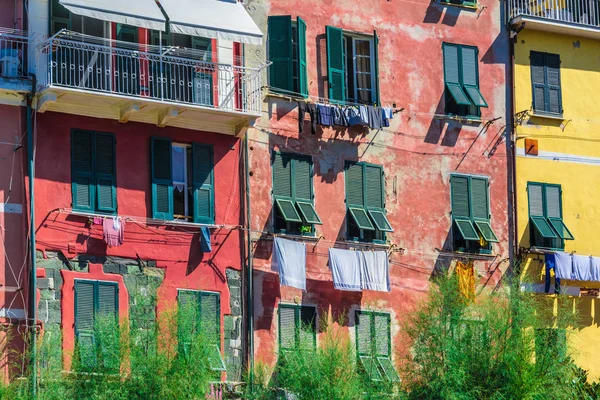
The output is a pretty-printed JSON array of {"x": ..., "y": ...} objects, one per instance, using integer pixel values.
[{"x": 233, "y": 327}]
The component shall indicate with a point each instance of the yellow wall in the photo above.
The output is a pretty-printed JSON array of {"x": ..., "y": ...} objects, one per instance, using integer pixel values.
[{"x": 576, "y": 141}]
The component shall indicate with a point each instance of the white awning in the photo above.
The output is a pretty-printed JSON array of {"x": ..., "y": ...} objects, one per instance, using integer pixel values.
[
  {"x": 142, "y": 13},
  {"x": 218, "y": 19}
]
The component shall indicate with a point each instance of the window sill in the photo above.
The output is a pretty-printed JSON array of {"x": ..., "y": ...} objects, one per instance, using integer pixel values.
[
  {"x": 543, "y": 250},
  {"x": 290, "y": 96},
  {"x": 461, "y": 119},
  {"x": 555, "y": 117},
  {"x": 466, "y": 7},
  {"x": 147, "y": 221},
  {"x": 306, "y": 238},
  {"x": 366, "y": 244}
]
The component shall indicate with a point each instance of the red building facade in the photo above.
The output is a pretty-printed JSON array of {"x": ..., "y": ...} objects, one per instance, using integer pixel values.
[{"x": 442, "y": 69}]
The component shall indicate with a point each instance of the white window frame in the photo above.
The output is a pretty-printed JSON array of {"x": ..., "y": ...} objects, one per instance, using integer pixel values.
[
  {"x": 357, "y": 38},
  {"x": 183, "y": 146}
]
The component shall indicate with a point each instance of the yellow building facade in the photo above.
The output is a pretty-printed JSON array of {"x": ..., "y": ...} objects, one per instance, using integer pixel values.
[{"x": 557, "y": 164}]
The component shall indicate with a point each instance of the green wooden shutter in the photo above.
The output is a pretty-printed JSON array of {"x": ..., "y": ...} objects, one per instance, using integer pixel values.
[
  {"x": 335, "y": 64},
  {"x": 374, "y": 186},
  {"x": 280, "y": 52},
  {"x": 554, "y": 94},
  {"x": 364, "y": 339},
  {"x": 108, "y": 299},
  {"x": 162, "y": 178},
  {"x": 84, "y": 322},
  {"x": 354, "y": 185},
  {"x": 470, "y": 75},
  {"x": 302, "y": 68},
  {"x": 537, "y": 210},
  {"x": 82, "y": 185},
  {"x": 188, "y": 317},
  {"x": 106, "y": 188},
  {"x": 282, "y": 175},
  {"x": 452, "y": 74},
  {"x": 459, "y": 192},
  {"x": 302, "y": 178},
  {"x": 210, "y": 319},
  {"x": 202, "y": 160},
  {"x": 553, "y": 207},
  {"x": 107, "y": 305},
  {"x": 382, "y": 334},
  {"x": 308, "y": 327},
  {"x": 479, "y": 198},
  {"x": 538, "y": 81},
  {"x": 377, "y": 98},
  {"x": 287, "y": 327}
]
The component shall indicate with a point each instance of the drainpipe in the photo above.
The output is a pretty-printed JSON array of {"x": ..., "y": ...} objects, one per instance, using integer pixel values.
[
  {"x": 250, "y": 285},
  {"x": 32, "y": 255},
  {"x": 512, "y": 153}
]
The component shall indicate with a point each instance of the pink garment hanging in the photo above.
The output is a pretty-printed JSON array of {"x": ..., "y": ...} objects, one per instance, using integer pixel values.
[{"x": 113, "y": 231}]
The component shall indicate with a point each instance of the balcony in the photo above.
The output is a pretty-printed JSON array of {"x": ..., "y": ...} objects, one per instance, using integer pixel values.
[
  {"x": 570, "y": 17},
  {"x": 14, "y": 80},
  {"x": 168, "y": 86}
]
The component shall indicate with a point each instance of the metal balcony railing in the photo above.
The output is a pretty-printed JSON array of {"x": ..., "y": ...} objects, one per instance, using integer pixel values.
[
  {"x": 13, "y": 53},
  {"x": 167, "y": 74},
  {"x": 580, "y": 12}
]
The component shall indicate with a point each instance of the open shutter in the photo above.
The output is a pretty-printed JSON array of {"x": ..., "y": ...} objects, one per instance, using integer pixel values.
[
  {"x": 470, "y": 76},
  {"x": 106, "y": 190},
  {"x": 84, "y": 322},
  {"x": 335, "y": 64},
  {"x": 308, "y": 327},
  {"x": 280, "y": 52},
  {"x": 461, "y": 209},
  {"x": 479, "y": 198},
  {"x": 162, "y": 179},
  {"x": 287, "y": 327},
  {"x": 553, "y": 83},
  {"x": 82, "y": 185},
  {"x": 554, "y": 211},
  {"x": 364, "y": 340},
  {"x": 302, "y": 69},
  {"x": 303, "y": 192},
  {"x": 452, "y": 75},
  {"x": 354, "y": 185},
  {"x": 374, "y": 178},
  {"x": 538, "y": 81},
  {"x": 282, "y": 175},
  {"x": 202, "y": 160},
  {"x": 382, "y": 334},
  {"x": 376, "y": 54},
  {"x": 537, "y": 213}
]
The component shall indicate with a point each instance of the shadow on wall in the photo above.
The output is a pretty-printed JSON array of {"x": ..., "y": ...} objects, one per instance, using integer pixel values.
[{"x": 434, "y": 12}]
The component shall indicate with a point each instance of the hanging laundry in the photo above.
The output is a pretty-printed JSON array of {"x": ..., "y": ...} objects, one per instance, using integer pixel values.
[
  {"x": 465, "y": 273},
  {"x": 352, "y": 115},
  {"x": 339, "y": 117},
  {"x": 388, "y": 112},
  {"x": 363, "y": 112},
  {"x": 311, "y": 109},
  {"x": 550, "y": 262},
  {"x": 563, "y": 267},
  {"x": 385, "y": 122},
  {"x": 325, "y": 115},
  {"x": 205, "y": 244},
  {"x": 595, "y": 273},
  {"x": 97, "y": 221},
  {"x": 290, "y": 258},
  {"x": 346, "y": 267},
  {"x": 374, "y": 117},
  {"x": 113, "y": 230},
  {"x": 376, "y": 271},
  {"x": 582, "y": 268}
]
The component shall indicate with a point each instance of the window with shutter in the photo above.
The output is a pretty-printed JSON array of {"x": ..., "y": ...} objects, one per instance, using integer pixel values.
[
  {"x": 472, "y": 229},
  {"x": 199, "y": 322},
  {"x": 548, "y": 229},
  {"x": 461, "y": 79},
  {"x": 365, "y": 202},
  {"x": 373, "y": 344},
  {"x": 96, "y": 324},
  {"x": 297, "y": 327},
  {"x": 545, "y": 83},
  {"x": 294, "y": 210},
  {"x": 352, "y": 66},
  {"x": 287, "y": 52},
  {"x": 182, "y": 181},
  {"x": 93, "y": 172}
]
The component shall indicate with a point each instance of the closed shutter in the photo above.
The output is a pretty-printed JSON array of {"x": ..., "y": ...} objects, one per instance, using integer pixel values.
[
  {"x": 202, "y": 160},
  {"x": 364, "y": 340},
  {"x": 84, "y": 322},
  {"x": 335, "y": 64},
  {"x": 287, "y": 327},
  {"x": 479, "y": 198},
  {"x": 354, "y": 185},
  {"x": 459, "y": 188},
  {"x": 280, "y": 52},
  {"x": 210, "y": 317},
  {"x": 302, "y": 178},
  {"x": 108, "y": 341},
  {"x": 282, "y": 175},
  {"x": 376, "y": 54},
  {"x": 105, "y": 173},
  {"x": 308, "y": 327},
  {"x": 553, "y": 83},
  {"x": 536, "y": 203},
  {"x": 452, "y": 74},
  {"x": 108, "y": 299},
  {"x": 188, "y": 318},
  {"x": 302, "y": 69},
  {"x": 553, "y": 208},
  {"x": 374, "y": 178},
  {"x": 162, "y": 179},
  {"x": 470, "y": 75},
  {"x": 82, "y": 185},
  {"x": 538, "y": 80},
  {"x": 382, "y": 334}
]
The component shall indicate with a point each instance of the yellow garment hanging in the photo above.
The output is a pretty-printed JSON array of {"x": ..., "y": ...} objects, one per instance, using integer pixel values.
[{"x": 466, "y": 280}]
